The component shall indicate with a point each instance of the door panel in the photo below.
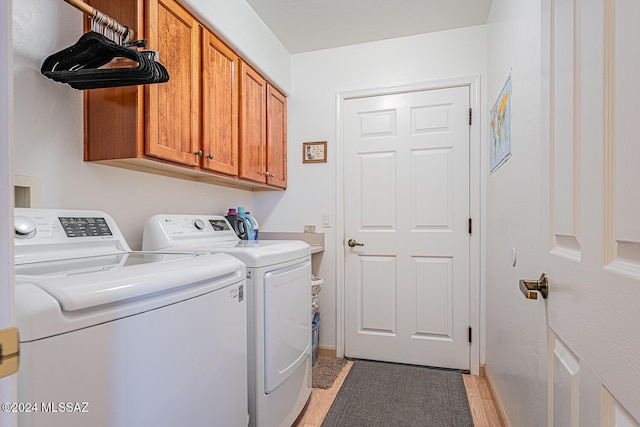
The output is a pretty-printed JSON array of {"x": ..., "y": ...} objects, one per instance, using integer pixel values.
[
  {"x": 622, "y": 149},
  {"x": 377, "y": 210},
  {"x": 432, "y": 289},
  {"x": 432, "y": 189},
  {"x": 565, "y": 392},
  {"x": 592, "y": 250},
  {"x": 407, "y": 200},
  {"x": 564, "y": 144},
  {"x": 378, "y": 299},
  {"x": 614, "y": 414}
]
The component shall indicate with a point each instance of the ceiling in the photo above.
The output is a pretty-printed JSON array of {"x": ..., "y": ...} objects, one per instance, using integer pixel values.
[{"x": 307, "y": 25}]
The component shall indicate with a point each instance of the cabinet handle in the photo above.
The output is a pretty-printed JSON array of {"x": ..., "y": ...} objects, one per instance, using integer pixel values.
[
  {"x": 198, "y": 153},
  {"x": 265, "y": 173},
  {"x": 210, "y": 156},
  {"x": 272, "y": 175}
]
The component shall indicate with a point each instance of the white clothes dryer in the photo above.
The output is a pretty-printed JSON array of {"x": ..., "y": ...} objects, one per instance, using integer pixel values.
[
  {"x": 111, "y": 337},
  {"x": 279, "y": 315}
]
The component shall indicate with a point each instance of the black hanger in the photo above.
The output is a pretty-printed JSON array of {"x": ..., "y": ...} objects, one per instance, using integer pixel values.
[{"x": 79, "y": 65}]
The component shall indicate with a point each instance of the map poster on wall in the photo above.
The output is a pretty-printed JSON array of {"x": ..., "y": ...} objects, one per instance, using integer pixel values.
[{"x": 500, "y": 129}]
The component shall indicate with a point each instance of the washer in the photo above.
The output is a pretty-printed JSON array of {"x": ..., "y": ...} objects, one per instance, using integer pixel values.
[
  {"x": 111, "y": 337},
  {"x": 279, "y": 314}
]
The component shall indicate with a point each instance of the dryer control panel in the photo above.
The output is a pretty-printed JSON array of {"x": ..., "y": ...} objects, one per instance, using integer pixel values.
[{"x": 163, "y": 231}]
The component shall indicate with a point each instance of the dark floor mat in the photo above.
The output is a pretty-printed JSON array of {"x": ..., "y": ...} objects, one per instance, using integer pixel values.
[{"x": 388, "y": 394}]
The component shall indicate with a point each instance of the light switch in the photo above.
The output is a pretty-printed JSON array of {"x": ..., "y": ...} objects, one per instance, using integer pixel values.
[{"x": 326, "y": 220}]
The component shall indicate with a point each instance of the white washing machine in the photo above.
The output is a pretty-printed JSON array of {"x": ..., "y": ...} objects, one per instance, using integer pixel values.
[
  {"x": 110, "y": 337},
  {"x": 279, "y": 315}
]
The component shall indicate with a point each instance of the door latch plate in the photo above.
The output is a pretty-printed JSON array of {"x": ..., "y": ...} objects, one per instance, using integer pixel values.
[{"x": 9, "y": 352}]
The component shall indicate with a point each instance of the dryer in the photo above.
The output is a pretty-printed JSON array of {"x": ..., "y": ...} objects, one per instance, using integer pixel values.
[
  {"x": 279, "y": 314},
  {"x": 117, "y": 338}
]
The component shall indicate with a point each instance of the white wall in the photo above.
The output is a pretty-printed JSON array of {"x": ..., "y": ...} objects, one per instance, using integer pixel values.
[
  {"x": 516, "y": 327},
  {"x": 317, "y": 78},
  {"x": 48, "y": 125}
]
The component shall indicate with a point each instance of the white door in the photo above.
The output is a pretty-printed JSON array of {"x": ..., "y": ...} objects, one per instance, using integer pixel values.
[
  {"x": 591, "y": 120},
  {"x": 406, "y": 192}
]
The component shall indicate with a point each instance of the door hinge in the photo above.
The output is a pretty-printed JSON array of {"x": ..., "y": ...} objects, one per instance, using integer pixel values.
[
  {"x": 9, "y": 352},
  {"x": 469, "y": 334},
  {"x": 470, "y": 226},
  {"x": 470, "y": 115}
]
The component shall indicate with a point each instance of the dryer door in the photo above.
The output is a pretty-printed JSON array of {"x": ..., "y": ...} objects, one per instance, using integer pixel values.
[{"x": 287, "y": 322}]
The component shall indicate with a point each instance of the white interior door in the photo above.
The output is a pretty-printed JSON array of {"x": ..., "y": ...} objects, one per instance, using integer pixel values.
[
  {"x": 406, "y": 199},
  {"x": 591, "y": 112}
]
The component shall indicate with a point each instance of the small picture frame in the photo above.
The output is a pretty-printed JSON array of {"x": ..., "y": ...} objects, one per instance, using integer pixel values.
[{"x": 314, "y": 152}]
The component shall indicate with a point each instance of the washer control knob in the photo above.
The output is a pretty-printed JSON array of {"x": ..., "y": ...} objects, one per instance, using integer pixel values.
[
  {"x": 199, "y": 224},
  {"x": 24, "y": 227}
]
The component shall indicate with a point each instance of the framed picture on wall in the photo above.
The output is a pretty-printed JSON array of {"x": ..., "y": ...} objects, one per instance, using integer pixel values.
[{"x": 314, "y": 152}]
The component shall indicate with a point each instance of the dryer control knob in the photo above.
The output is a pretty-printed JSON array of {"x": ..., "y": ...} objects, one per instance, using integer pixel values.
[
  {"x": 24, "y": 227},
  {"x": 199, "y": 224}
]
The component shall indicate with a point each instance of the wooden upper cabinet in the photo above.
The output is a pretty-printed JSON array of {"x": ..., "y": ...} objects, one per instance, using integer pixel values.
[
  {"x": 253, "y": 125},
  {"x": 276, "y": 138},
  {"x": 263, "y": 130},
  {"x": 172, "y": 113},
  {"x": 216, "y": 120},
  {"x": 219, "y": 106}
]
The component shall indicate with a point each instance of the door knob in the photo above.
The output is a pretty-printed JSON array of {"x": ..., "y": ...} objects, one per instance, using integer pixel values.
[
  {"x": 530, "y": 288},
  {"x": 352, "y": 243}
]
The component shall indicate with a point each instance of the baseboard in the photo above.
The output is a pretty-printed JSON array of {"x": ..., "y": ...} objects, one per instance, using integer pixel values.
[
  {"x": 485, "y": 373},
  {"x": 326, "y": 351}
]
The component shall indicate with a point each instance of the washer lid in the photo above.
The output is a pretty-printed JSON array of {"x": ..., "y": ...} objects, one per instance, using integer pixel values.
[
  {"x": 83, "y": 283},
  {"x": 255, "y": 253}
]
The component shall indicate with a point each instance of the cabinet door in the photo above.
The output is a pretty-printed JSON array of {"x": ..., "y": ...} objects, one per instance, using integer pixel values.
[
  {"x": 172, "y": 117},
  {"x": 253, "y": 126},
  {"x": 219, "y": 106},
  {"x": 276, "y": 138}
]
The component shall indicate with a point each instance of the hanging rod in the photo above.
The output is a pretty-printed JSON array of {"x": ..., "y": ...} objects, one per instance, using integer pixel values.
[
  {"x": 78, "y": 4},
  {"x": 106, "y": 20}
]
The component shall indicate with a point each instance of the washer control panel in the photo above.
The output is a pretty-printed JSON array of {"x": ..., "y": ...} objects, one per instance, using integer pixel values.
[
  {"x": 64, "y": 233},
  {"x": 25, "y": 227}
]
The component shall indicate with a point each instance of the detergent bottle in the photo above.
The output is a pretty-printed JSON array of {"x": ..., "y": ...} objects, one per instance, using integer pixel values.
[
  {"x": 248, "y": 224},
  {"x": 237, "y": 223},
  {"x": 255, "y": 225}
]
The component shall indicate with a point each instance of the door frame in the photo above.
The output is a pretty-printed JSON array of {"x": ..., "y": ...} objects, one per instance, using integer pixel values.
[
  {"x": 7, "y": 318},
  {"x": 476, "y": 201}
]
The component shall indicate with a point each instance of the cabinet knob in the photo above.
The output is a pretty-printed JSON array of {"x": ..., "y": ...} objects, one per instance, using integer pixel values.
[
  {"x": 198, "y": 153},
  {"x": 265, "y": 173},
  {"x": 272, "y": 175},
  {"x": 210, "y": 156}
]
